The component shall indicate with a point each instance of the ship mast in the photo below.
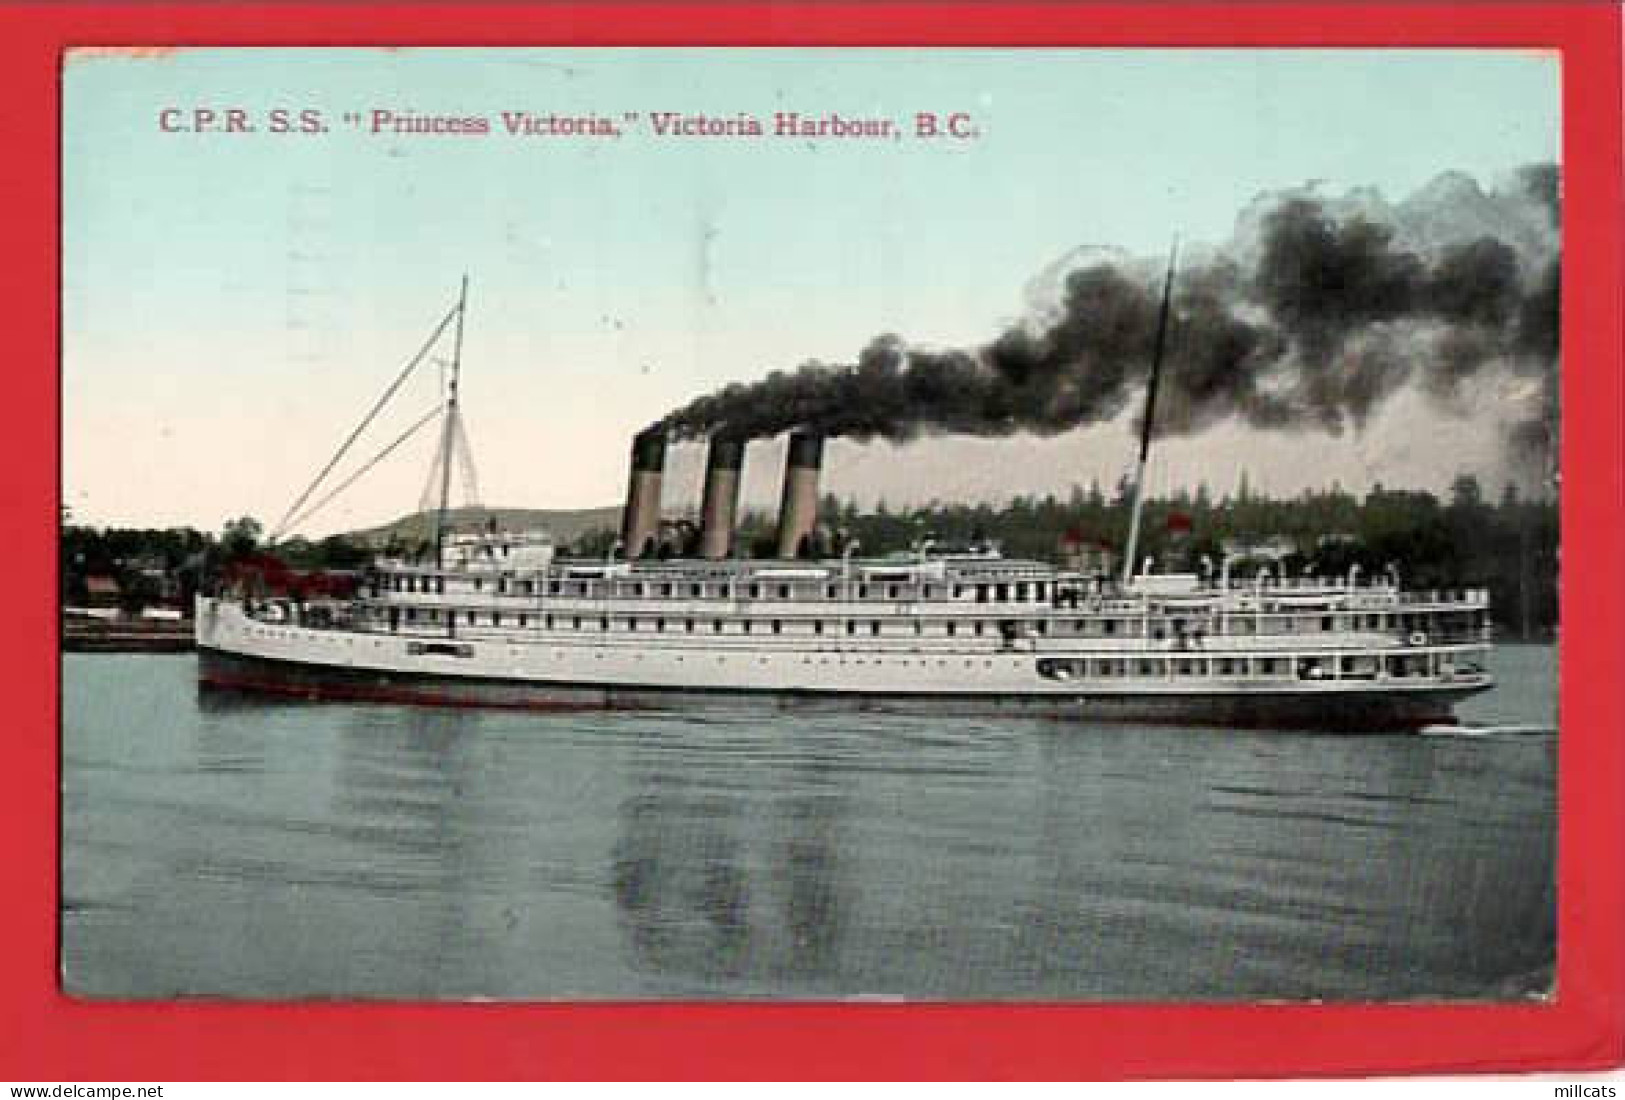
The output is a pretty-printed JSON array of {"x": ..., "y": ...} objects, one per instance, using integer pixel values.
[
  {"x": 448, "y": 437},
  {"x": 298, "y": 512},
  {"x": 1150, "y": 415}
]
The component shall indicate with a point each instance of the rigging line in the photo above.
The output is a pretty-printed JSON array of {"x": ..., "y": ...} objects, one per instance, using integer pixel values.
[
  {"x": 431, "y": 488},
  {"x": 411, "y": 365},
  {"x": 375, "y": 460},
  {"x": 465, "y": 456},
  {"x": 426, "y": 498}
]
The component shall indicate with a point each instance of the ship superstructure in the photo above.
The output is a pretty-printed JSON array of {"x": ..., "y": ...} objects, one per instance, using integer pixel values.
[{"x": 493, "y": 617}]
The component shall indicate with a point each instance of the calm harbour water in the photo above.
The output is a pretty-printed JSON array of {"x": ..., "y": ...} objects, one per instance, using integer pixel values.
[{"x": 217, "y": 844}]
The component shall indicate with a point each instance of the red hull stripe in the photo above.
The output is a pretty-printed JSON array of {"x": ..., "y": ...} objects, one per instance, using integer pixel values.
[{"x": 387, "y": 693}]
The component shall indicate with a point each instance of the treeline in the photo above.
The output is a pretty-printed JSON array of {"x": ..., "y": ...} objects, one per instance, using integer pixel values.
[
  {"x": 153, "y": 566},
  {"x": 1509, "y": 545}
]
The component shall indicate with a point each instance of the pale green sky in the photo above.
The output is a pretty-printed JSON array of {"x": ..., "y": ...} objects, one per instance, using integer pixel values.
[{"x": 234, "y": 302}]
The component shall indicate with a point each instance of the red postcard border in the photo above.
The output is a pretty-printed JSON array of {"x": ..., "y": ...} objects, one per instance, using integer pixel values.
[{"x": 46, "y": 1036}]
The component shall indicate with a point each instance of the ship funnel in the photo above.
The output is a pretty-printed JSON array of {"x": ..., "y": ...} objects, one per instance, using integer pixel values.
[
  {"x": 798, "y": 508},
  {"x": 640, "y": 523},
  {"x": 719, "y": 503}
]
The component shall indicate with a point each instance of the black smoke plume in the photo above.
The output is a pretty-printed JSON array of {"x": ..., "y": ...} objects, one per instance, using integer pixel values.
[{"x": 1314, "y": 314}]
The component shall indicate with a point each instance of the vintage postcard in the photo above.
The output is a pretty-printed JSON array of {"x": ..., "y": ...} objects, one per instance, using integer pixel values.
[
  {"x": 820, "y": 524},
  {"x": 1090, "y": 533}
]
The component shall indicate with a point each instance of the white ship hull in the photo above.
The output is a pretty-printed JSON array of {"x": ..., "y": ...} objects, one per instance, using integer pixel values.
[{"x": 240, "y": 652}]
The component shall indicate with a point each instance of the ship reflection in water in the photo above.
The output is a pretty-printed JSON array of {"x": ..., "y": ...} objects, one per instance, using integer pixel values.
[
  {"x": 717, "y": 881},
  {"x": 215, "y": 844}
]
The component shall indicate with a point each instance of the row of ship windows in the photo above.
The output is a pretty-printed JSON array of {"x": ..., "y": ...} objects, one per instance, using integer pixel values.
[
  {"x": 1177, "y": 630},
  {"x": 1308, "y": 668},
  {"x": 465, "y": 650},
  {"x": 1078, "y": 668},
  {"x": 1019, "y": 591},
  {"x": 716, "y": 626}
]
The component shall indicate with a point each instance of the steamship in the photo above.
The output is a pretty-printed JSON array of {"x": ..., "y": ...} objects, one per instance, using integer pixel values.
[{"x": 501, "y": 618}]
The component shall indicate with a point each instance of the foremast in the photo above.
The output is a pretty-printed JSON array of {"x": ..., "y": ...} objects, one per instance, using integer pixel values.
[{"x": 451, "y": 427}]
